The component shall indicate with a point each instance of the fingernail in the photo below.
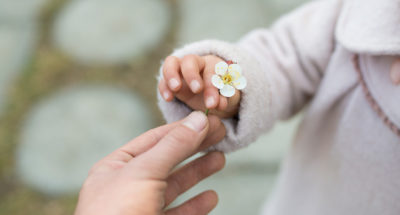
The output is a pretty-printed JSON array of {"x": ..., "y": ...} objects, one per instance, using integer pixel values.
[
  {"x": 210, "y": 102},
  {"x": 173, "y": 83},
  {"x": 166, "y": 95},
  {"x": 196, "y": 121},
  {"x": 195, "y": 85}
]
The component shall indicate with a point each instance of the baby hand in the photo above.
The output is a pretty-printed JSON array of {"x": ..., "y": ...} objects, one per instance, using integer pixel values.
[{"x": 189, "y": 80}]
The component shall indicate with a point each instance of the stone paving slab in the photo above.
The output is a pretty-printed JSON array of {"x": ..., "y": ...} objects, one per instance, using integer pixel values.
[
  {"x": 67, "y": 133},
  {"x": 104, "y": 31}
]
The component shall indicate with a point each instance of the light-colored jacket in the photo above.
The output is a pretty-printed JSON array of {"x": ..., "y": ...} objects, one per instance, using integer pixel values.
[{"x": 334, "y": 58}]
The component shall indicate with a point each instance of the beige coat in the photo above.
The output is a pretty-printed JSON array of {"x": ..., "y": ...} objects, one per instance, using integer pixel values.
[{"x": 345, "y": 159}]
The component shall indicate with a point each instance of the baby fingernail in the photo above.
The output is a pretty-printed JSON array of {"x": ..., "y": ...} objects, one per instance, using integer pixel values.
[
  {"x": 210, "y": 102},
  {"x": 166, "y": 95},
  {"x": 195, "y": 85},
  {"x": 196, "y": 121},
  {"x": 173, "y": 83}
]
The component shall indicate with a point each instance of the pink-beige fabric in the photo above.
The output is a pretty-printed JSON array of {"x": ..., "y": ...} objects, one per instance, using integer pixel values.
[{"x": 344, "y": 159}]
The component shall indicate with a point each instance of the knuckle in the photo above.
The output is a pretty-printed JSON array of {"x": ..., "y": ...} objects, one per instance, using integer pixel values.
[
  {"x": 210, "y": 91},
  {"x": 216, "y": 137},
  {"x": 171, "y": 59},
  {"x": 190, "y": 58},
  {"x": 218, "y": 161},
  {"x": 215, "y": 59},
  {"x": 183, "y": 137},
  {"x": 165, "y": 71},
  {"x": 209, "y": 58},
  {"x": 200, "y": 168},
  {"x": 176, "y": 184},
  {"x": 170, "y": 65},
  {"x": 189, "y": 64},
  {"x": 152, "y": 135},
  {"x": 215, "y": 123},
  {"x": 178, "y": 137}
]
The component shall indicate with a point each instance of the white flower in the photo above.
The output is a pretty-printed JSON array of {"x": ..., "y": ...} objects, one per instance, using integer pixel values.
[{"x": 227, "y": 78}]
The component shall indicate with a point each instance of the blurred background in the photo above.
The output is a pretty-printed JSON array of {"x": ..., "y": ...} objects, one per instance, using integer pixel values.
[{"x": 77, "y": 80}]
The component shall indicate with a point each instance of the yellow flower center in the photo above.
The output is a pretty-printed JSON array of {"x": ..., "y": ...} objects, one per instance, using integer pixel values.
[{"x": 227, "y": 79}]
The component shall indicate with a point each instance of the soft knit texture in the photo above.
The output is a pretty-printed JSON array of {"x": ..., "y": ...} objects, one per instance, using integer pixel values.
[
  {"x": 345, "y": 159},
  {"x": 370, "y": 26}
]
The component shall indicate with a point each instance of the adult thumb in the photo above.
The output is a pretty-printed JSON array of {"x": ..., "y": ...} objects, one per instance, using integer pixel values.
[{"x": 177, "y": 145}]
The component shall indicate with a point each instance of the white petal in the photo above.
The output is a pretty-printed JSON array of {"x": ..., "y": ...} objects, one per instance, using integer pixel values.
[
  {"x": 227, "y": 91},
  {"x": 217, "y": 81},
  {"x": 221, "y": 68},
  {"x": 240, "y": 83},
  {"x": 235, "y": 70}
]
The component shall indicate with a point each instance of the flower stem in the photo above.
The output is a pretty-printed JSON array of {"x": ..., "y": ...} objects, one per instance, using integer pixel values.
[{"x": 206, "y": 112}]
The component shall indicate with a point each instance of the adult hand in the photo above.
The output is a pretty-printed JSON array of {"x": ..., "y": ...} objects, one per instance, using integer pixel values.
[{"x": 138, "y": 178}]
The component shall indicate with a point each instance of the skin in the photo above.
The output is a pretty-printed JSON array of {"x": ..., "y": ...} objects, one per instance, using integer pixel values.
[
  {"x": 141, "y": 178},
  {"x": 189, "y": 80}
]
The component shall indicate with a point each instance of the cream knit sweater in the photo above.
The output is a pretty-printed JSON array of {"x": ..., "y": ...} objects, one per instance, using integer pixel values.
[{"x": 345, "y": 158}]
